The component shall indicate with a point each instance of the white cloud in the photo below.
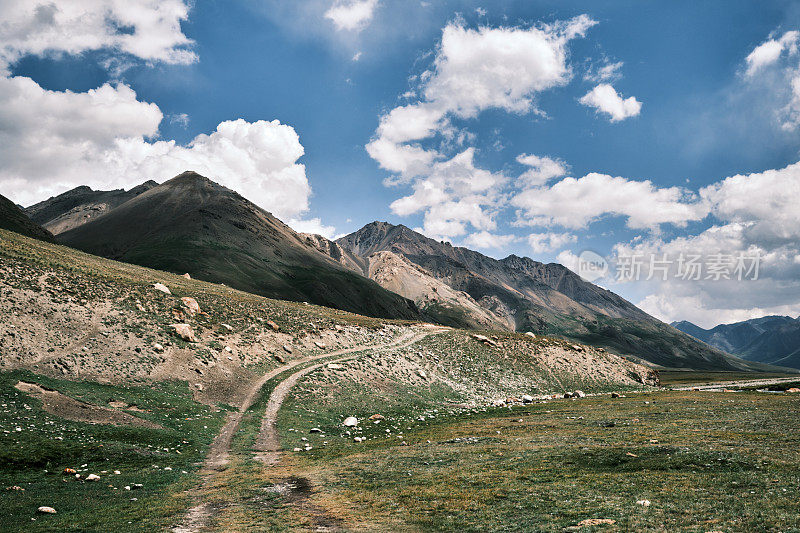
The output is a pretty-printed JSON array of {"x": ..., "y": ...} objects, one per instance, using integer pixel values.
[
  {"x": 488, "y": 241},
  {"x": 767, "y": 200},
  {"x": 549, "y": 241},
  {"x": 181, "y": 119},
  {"x": 574, "y": 203},
  {"x": 542, "y": 169},
  {"x": 146, "y": 29},
  {"x": 756, "y": 215},
  {"x": 769, "y": 51},
  {"x": 607, "y": 72},
  {"x": 51, "y": 141},
  {"x": 312, "y": 225},
  {"x": 604, "y": 98},
  {"x": 671, "y": 308},
  {"x": 453, "y": 194},
  {"x": 351, "y": 15},
  {"x": 473, "y": 70},
  {"x": 357, "y": 56},
  {"x": 569, "y": 260},
  {"x": 500, "y": 67}
]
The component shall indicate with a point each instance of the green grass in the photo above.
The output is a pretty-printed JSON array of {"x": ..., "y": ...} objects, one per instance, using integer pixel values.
[
  {"x": 725, "y": 462},
  {"x": 164, "y": 461}
]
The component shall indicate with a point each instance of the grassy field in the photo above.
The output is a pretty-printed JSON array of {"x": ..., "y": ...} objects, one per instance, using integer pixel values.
[
  {"x": 703, "y": 461},
  {"x": 36, "y": 447}
]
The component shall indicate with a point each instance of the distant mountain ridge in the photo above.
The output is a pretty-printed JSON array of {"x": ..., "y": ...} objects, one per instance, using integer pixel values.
[
  {"x": 515, "y": 293},
  {"x": 770, "y": 339},
  {"x": 191, "y": 224},
  {"x": 80, "y": 205}
]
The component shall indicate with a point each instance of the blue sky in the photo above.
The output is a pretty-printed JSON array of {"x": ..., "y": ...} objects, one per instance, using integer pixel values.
[{"x": 708, "y": 109}]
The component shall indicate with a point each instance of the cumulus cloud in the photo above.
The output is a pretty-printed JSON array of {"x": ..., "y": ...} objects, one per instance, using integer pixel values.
[
  {"x": 51, "y": 141},
  {"x": 755, "y": 216},
  {"x": 145, "y": 29},
  {"x": 769, "y": 51},
  {"x": 549, "y": 241},
  {"x": 312, "y": 225},
  {"x": 574, "y": 203},
  {"x": 472, "y": 70},
  {"x": 487, "y": 241},
  {"x": 541, "y": 169},
  {"x": 351, "y": 15},
  {"x": 605, "y": 99}
]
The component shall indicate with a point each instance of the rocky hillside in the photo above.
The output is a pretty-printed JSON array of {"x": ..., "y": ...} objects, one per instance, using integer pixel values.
[
  {"x": 80, "y": 205},
  {"x": 13, "y": 218},
  {"x": 771, "y": 339},
  {"x": 83, "y": 317},
  {"x": 517, "y": 294},
  {"x": 190, "y": 224}
]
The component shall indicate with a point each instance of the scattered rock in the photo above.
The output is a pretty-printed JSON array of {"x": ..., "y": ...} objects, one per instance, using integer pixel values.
[
  {"x": 334, "y": 366},
  {"x": 161, "y": 287},
  {"x": 187, "y": 276},
  {"x": 315, "y": 430},
  {"x": 46, "y": 510},
  {"x": 227, "y": 327},
  {"x": 643, "y": 503},
  {"x": 629, "y": 454},
  {"x": 15, "y": 487},
  {"x": 69, "y": 471},
  {"x": 184, "y": 331},
  {"x": 273, "y": 325},
  {"x": 350, "y": 422},
  {"x": 579, "y": 394},
  {"x": 92, "y": 477},
  {"x": 158, "y": 348},
  {"x": 279, "y": 358},
  {"x": 530, "y": 334},
  {"x": 287, "y": 348},
  {"x": 484, "y": 339},
  {"x": 793, "y": 390},
  {"x": 577, "y": 347},
  {"x": 615, "y": 395},
  {"x": 527, "y": 398},
  {"x": 319, "y": 344},
  {"x": 191, "y": 304},
  {"x": 422, "y": 374},
  {"x": 376, "y": 417}
]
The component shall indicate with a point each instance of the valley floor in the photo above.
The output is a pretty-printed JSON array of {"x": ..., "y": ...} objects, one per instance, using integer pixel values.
[{"x": 648, "y": 461}]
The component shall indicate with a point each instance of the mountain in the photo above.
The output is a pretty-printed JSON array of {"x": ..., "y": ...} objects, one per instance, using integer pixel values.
[
  {"x": 191, "y": 224},
  {"x": 517, "y": 294},
  {"x": 13, "y": 218},
  {"x": 80, "y": 205},
  {"x": 770, "y": 339}
]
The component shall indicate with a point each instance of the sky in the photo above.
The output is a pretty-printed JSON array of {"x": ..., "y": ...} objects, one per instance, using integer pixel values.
[{"x": 644, "y": 132}]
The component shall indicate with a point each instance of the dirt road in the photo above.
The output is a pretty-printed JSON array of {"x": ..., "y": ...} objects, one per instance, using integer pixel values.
[{"x": 197, "y": 517}]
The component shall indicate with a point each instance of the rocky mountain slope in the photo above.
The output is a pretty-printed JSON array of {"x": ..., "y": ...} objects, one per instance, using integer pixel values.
[
  {"x": 80, "y": 205},
  {"x": 13, "y": 218},
  {"x": 518, "y": 294},
  {"x": 191, "y": 224},
  {"x": 81, "y": 316},
  {"x": 770, "y": 339}
]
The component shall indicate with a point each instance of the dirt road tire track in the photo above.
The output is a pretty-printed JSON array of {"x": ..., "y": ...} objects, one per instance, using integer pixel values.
[{"x": 197, "y": 518}]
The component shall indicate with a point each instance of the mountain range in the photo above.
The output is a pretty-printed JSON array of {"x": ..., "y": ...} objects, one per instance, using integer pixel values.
[
  {"x": 773, "y": 340},
  {"x": 191, "y": 224}
]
